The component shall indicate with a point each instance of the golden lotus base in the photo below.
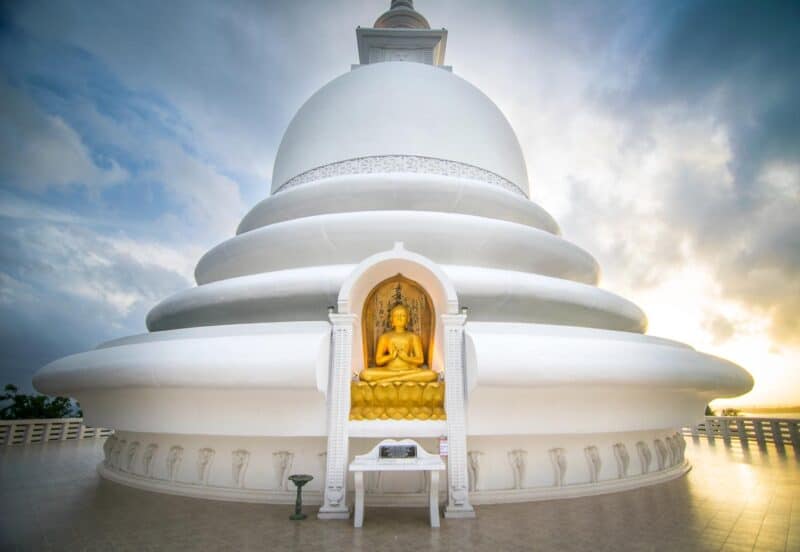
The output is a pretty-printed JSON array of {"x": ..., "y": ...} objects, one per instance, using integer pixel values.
[{"x": 397, "y": 400}]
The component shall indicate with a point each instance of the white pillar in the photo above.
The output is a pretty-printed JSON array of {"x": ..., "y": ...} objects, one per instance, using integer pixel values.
[
  {"x": 334, "y": 505},
  {"x": 458, "y": 505}
]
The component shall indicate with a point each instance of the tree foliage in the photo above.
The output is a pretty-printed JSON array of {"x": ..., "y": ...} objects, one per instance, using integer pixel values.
[{"x": 26, "y": 407}]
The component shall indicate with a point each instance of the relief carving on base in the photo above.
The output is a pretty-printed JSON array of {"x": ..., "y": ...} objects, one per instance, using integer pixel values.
[
  {"x": 661, "y": 453},
  {"x": 681, "y": 446},
  {"x": 645, "y": 456},
  {"x": 623, "y": 460},
  {"x": 594, "y": 463},
  {"x": 239, "y": 460},
  {"x": 130, "y": 456},
  {"x": 671, "y": 457},
  {"x": 283, "y": 465},
  {"x": 147, "y": 459},
  {"x": 334, "y": 494},
  {"x": 474, "y": 469},
  {"x": 205, "y": 457},
  {"x": 116, "y": 453},
  {"x": 558, "y": 458},
  {"x": 517, "y": 458},
  {"x": 459, "y": 495},
  {"x": 174, "y": 458}
]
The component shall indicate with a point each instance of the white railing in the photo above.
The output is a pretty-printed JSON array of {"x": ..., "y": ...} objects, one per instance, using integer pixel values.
[
  {"x": 778, "y": 431},
  {"x": 23, "y": 432}
]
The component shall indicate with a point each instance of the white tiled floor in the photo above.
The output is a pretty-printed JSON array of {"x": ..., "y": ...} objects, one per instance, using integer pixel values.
[{"x": 52, "y": 499}]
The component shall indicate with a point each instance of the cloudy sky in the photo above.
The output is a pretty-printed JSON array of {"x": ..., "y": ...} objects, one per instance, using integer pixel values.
[{"x": 663, "y": 136}]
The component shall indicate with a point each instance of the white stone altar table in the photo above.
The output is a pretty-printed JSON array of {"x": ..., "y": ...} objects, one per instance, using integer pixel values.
[{"x": 392, "y": 455}]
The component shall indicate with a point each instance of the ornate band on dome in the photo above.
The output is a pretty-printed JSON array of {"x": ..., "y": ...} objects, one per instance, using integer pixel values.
[{"x": 401, "y": 164}]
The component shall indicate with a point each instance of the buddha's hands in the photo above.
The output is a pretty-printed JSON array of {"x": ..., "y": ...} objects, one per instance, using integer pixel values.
[{"x": 400, "y": 352}]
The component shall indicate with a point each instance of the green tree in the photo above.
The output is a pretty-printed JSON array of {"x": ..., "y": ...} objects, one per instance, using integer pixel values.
[{"x": 26, "y": 407}]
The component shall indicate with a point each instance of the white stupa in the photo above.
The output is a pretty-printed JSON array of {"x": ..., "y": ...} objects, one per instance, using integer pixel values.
[{"x": 397, "y": 171}]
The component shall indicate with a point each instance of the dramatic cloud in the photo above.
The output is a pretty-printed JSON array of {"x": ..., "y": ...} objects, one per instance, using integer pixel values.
[
  {"x": 66, "y": 286},
  {"x": 237, "y": 72},
  {"x": 38, "y": 151},
  {"x": 659, "y": 136},
  {"x": 735, "y": 64},
  {"x": 107, "y": 197}
]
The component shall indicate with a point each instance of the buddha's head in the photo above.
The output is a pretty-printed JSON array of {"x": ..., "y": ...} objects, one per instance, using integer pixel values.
[{"x": 399, "y": 317}]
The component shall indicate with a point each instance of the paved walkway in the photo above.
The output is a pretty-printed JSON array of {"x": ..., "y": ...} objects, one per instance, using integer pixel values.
[{"x": 52, "y": 499}]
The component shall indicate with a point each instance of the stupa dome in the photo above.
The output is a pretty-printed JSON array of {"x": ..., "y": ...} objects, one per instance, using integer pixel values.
[{"x": 423, "y": 115}]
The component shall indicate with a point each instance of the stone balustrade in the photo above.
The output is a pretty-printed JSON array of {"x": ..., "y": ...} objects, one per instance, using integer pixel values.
[
  {"x": 23, "y": 432},
  {"x": 778, "y": 431}
]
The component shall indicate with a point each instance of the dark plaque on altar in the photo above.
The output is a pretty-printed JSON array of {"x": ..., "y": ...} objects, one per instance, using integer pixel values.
[{"x": 398, "y": 452}]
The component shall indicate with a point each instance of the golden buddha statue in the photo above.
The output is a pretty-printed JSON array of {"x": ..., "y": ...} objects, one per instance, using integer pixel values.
[
  {"x": 399, "y": 355},
  {"x": 400, "y": 386}
]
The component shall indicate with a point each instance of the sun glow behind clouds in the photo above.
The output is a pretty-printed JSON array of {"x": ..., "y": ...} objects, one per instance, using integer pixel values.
[
  {"x": 684, "y": 308},
  {"x": 652, "y": 192}
]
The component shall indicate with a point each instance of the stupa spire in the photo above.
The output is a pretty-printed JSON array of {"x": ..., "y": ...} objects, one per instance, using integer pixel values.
[
  {"x": 401, "y": 15},
  {"x": 401, "y": 34}
]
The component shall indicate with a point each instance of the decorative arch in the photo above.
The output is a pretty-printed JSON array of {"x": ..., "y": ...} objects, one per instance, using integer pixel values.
[{"x": 378, "y": 268}]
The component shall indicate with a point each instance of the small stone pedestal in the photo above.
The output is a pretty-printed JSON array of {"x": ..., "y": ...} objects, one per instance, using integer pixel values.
[{"x": 299, "y": 481}]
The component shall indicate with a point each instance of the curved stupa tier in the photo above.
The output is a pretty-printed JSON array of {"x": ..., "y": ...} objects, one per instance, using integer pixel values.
[{"x": 397, "y": 184}]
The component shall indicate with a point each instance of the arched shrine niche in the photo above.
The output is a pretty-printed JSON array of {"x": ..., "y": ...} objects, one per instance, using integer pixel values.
[
  {"x": 398, "y": 325},
  {"x": 376, "y": 320}
]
